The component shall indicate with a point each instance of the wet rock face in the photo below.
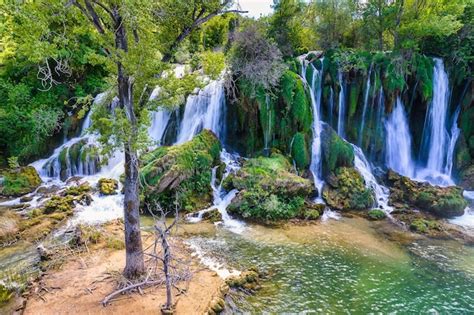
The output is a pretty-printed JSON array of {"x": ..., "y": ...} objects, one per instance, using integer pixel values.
[
  {"x": 467, "y": 178},
  {"x": 445, "y": 202},
  {"x": 181, "y": 171},
  {"x": 19, "y": 181},
  {"x": 345, "y": 190}
]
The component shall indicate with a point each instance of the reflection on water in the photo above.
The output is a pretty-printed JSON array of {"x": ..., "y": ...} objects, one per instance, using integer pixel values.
[{"x": 345, "y": 268}]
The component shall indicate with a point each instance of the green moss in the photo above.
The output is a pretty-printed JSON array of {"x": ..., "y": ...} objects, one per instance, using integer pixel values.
[
  {"x": 114, "y": 243},
  {"x": 78, "y": 190},
  {"x": 58, "y": 204},
  {"x": 182, "y": 171},
  {"x": 268, "y": 191},
  {"x": 376, "y": 214},
  {"x": 299, "y": 151},
  {"x": 346, "y": 190},
  {"x": 5, "y": 294},
  {"x": 107, "y": 186},
  {"x": 19, "y": 181},
  {"x": 424, "y": 226},
  {"x": 353, "y": 98},
  {"x": 336, "y": 152}
]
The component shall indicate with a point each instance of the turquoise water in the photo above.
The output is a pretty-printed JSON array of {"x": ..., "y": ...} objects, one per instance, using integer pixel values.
[{"x": 329, "y": 275}]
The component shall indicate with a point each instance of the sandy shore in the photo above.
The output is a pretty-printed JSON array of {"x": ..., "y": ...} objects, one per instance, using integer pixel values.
[{"x": 80, "y": 285}]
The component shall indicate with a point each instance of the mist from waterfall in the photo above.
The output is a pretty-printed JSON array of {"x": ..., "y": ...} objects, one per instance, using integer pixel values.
[{"x": 398, "y": 142}]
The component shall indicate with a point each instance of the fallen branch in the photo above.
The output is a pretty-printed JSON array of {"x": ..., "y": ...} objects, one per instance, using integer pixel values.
[{"x": 128, "y": 288}]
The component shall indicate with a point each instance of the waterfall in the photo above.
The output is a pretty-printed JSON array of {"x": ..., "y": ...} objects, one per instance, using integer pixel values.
[
  {"x": 222, "y": 199},
  {"x": 364, "y": 110},
  {"x": 341, "y": 106},
  {"x": 454, "y": 135},
  {"x": 398, "y": 141},
  {"x": 159, "y": 120},
  {"x": 315, "y": 93},
  {"x": 435, "y": 134},
  {"x": 382, "y": 193},
  {"x": 204, "y": 111}
]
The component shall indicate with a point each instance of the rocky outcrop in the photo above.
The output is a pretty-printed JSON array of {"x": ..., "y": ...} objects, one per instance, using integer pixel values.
[
  {"x": 336, "y": 152},
  {"x": 268, "y": 190},
  {"x": 107, "y": 186},
  {"x": 345, "y": 190},
  {"x": 17, "y": 182},
  {"x": 466, "y": 179},
  {"x": 445, "y": 202},
  {"x": 181, "y": 171}
]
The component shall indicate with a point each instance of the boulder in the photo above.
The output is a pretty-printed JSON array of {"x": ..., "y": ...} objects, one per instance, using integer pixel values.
[
  {"x": 268, "y": 190},
  {"x": 18, "y": 182},
  {"x": 107, "y": 186},
  {"x": 376, "y": 214},
  {"x": 445, "y": 202},
  {"x": 184, "y": 168},
  {"x": 346, "y": 190}
]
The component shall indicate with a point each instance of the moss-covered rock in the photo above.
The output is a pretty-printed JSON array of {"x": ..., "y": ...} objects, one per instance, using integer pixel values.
[
  {"x": 212, "y": 216},
  {"x": 182, "y": 171},
  {"x": 19, "y": 181},
  {"x": 376, "y": 214},
  {"x": 425, "y": 226},
  {"x": 78, "y": 190},
  {"x": 268, "y": 189},
  {"x": 441, "y": 201},
  {"x": 59, "y": 204},
  {"x": 107, "y": 186},
  {"x": 345, "y": 190},
  {"x": 299, "y": 151},
  {"x": 335, "y": 151}
]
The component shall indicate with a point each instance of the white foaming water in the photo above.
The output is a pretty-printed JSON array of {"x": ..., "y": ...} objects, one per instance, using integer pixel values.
[
  {"x": 398, "y": 143},
  {"x": 329, "y": 214},
  {"x": 210, "y": 262},
  {"x": 203, "y": 111},
  {"x": 455, "y": 131},
  {"x": 382, "y": 193},
  {"x": 315, "y": 93},
  {"x": 467, "y": 219},
  {"x": 222, "y": 199},
  {"x": 341, "y": 106}
]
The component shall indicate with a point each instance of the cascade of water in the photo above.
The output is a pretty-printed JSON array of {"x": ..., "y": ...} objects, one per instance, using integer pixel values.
[
  {"x": 222, "y": 199},
  {"x": 204, "y": 111},
  {"x": 159, "y": 120},
  {"x": 435, "y": 134},
  {"x": 381, "y": 192},
  {"x": 315, "y": 93},
  {"x": 454, "y": 135},
  {"x": 364, "y": 110},
  {"x": 398, "y": 141},
  {"x": 341, "y": 106}
]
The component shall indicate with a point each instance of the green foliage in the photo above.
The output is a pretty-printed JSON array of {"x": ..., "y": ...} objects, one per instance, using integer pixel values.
[
  {"x": 424, "y": 226},
  {"x": 213, "y": 63},
  {"x": 13, "y": 162}
]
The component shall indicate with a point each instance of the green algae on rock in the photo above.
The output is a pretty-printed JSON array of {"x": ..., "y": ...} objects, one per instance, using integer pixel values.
[
  {"x": 445, "y": 202},
  {"x": 182, "y": 171},
  {"x": 17, "y": 182}
]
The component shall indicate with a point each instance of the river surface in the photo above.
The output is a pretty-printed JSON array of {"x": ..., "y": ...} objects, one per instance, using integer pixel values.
[{"x": 342, "y": 267}]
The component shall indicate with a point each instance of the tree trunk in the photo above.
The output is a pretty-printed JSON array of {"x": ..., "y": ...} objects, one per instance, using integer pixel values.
[
  {"x": 166, "y": 263},
  {"x": 134, "y": 266}
]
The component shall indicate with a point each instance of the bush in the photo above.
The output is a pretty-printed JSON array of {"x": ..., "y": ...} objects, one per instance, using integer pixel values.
[{"x": 376, "y": 214}]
